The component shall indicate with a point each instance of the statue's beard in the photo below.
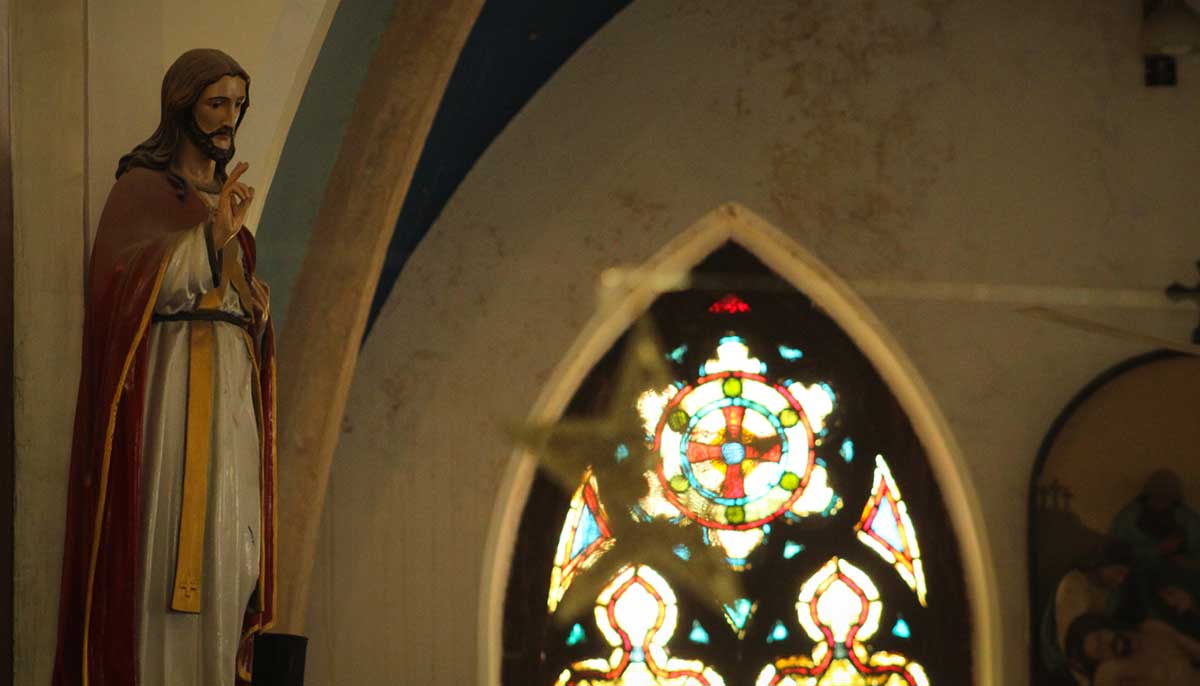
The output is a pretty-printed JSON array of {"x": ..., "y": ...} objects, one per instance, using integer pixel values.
[{"x": 204, "y": 141}]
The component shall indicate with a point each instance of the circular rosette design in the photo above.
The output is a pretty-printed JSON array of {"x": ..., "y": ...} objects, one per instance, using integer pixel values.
[{"x": 737, "y": 451}]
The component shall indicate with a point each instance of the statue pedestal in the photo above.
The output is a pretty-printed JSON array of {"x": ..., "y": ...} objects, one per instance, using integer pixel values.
[{"x": 279, "y": 660}]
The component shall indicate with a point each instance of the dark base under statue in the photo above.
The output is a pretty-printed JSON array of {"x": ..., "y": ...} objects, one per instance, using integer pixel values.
[{"x": 279, "y": 660}]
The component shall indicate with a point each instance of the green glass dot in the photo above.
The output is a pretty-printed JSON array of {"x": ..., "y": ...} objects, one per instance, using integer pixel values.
[
  {"x": 735, "y": 514},
  {"x": 732, "y": 387},
  {"x": 789, "y": 481},
  {"x": 679, "y": 483},
  {"x": 677, "y": 420},
  {"x": 789, "y": 417}
]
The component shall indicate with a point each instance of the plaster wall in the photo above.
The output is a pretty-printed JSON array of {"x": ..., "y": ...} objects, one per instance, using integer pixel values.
[
  {"x": 938, "y": 155},
  {"x": 85, "y": 89},
  {"x": 48, "y": 230}
]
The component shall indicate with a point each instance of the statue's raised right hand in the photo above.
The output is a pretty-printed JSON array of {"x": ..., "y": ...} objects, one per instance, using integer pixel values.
[{"x": 232, "y": 205}]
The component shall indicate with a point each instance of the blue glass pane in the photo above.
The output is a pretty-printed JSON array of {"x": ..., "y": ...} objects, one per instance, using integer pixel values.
[
  {"x": 639, "y": 514},
  {"x": 790, "y": 354},
  {"x": 586, "y": 534},
  {"x": 847, "y": 450},
  {"x": 792, "y": 549},
  {"x": 739, "y": 612},
  {"x": 577, "y": 636},
  {"x": 698, "y": 634},
  {"x": 901, "y": 629},
  {"x": 681, "y": 551},
  {"x": 733, "y": 452},
  {"x": 677, "y": 354},
  {"x": 621, "y": 452},
  {"x": 884, "y": 525},
  {"x": 778, "y": 632}
]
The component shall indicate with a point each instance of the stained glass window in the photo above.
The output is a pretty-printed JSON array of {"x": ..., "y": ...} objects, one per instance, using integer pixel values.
[
  {"x": 636, "y": 613},
  {"x": 839, "y": 608},
  {"x": 585, "y": 536},
  {"x": 750, "y": 452},
  {"x": 886, "y": 527},
  {"x": 737, "y": 451},
  {"x": 730, "y": 304}
]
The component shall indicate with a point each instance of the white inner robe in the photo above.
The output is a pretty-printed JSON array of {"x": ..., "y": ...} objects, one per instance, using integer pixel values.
[{"x": 181, "y": 649}]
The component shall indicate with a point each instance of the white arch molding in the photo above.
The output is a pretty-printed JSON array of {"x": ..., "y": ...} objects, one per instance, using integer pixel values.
[{"x": 800, "y": 268}]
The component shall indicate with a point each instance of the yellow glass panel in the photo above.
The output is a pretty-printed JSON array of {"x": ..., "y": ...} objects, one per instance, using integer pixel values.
[
  {"x": 816, "y": 401},
  {"x": 650, "y": 406},
  {"x": 737, "y": 544},
  {"x": 817, "y": 494},
  {"x": 644, "y": 610},
  {"x": 583, "y": 540},
  {"x": 834, "y": 599},
  {"x": 887, "y": 528},
  {"x": 669, "y": 452},
  {"x": 733, "y": 356},
  {"x": 702, "y": 395},
  {"x": 764, "y": 395}
]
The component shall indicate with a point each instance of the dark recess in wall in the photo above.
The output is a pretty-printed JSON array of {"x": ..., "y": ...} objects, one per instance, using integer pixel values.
[{"x": 7, "y": 397}]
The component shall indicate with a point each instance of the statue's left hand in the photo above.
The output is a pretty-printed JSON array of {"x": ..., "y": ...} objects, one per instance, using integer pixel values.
[{"x": 260, "y": 298}]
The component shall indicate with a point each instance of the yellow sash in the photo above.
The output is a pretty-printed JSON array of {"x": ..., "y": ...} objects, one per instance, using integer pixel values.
[{"x": 189, "y": 563}]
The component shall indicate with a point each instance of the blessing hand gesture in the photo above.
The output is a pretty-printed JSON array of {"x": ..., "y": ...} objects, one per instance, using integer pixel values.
[{"x": 232, "y": 204}]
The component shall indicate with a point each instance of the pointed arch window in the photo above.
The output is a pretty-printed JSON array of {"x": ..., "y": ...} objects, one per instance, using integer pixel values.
[{"x": 753, "y": 508}]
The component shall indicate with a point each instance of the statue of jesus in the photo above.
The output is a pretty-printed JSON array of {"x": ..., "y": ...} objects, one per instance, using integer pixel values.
[{"x": 169, "y": 563}]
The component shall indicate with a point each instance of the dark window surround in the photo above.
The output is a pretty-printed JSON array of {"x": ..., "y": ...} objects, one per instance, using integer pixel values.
[
  {"x": 7, "y": 399},
  {"x": 534, "y": 647}
]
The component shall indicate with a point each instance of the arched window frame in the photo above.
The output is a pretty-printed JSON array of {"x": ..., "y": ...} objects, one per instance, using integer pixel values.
[{"x": 630, "y": 298}]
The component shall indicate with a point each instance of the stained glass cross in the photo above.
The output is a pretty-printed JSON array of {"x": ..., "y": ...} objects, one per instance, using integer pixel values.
[{"x": 735, "y": 455}]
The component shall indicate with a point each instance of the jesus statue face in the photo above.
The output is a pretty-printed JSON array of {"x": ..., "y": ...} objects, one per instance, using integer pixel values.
[{"x": 216, "y": 115}]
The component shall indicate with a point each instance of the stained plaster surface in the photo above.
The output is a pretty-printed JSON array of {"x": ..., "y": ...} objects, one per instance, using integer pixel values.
[{"x": 915, "y": 141}]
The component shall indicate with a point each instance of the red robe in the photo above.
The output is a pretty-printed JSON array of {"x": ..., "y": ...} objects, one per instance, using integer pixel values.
[{"x": 142, "y": 223}]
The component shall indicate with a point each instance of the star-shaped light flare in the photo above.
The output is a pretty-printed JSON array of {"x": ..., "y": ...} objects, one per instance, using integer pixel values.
[{"x": 568, "y": 447}]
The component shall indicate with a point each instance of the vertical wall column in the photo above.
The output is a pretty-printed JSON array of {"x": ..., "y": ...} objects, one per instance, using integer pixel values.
[
  {"x": 328, "y": 310},
  {"x": 47, "y": 108}
]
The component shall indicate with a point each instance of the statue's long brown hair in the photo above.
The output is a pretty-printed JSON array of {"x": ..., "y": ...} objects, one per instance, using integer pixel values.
[{"x": 187, "y": 78}]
